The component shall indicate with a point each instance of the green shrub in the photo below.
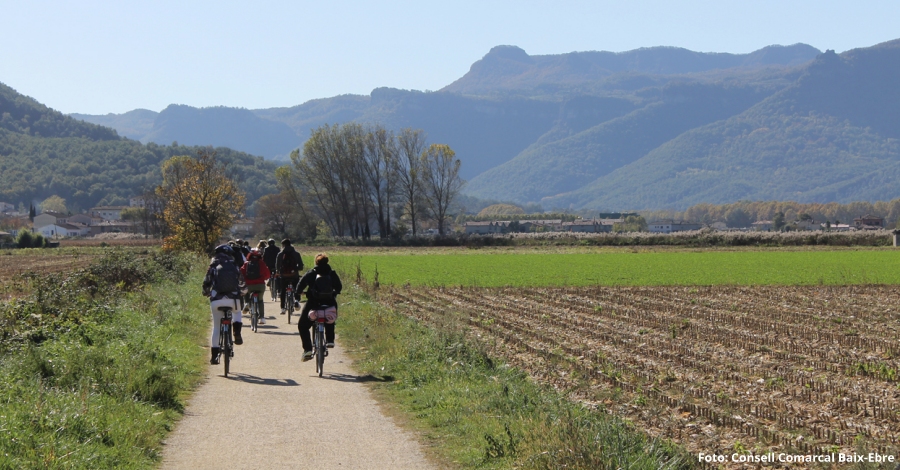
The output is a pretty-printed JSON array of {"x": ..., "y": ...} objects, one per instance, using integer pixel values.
[{"x": 25, "y": 239}]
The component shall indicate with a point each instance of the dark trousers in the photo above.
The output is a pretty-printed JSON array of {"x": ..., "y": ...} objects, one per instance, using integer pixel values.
[
  {"x": 282, "y": 288},
  {"x": 305, "y": 324}
]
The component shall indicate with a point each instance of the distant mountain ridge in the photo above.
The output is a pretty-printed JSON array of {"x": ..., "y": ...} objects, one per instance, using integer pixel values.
[
  {"x": 646, "y": 129},
  {"x": 507, "y": 68}
]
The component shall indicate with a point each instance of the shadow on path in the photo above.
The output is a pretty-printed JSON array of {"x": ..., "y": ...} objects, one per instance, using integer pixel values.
[
  {"x": 252, "y": 379},
  {"x": 357, "y": 378}
]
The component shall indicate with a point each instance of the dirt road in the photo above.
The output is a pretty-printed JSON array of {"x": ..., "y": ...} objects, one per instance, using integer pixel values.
[{"x": 273, "y": 412}]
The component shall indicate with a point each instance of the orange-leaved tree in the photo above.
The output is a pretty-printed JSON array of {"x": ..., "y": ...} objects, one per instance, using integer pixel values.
[{"x": 201, "y": 201}]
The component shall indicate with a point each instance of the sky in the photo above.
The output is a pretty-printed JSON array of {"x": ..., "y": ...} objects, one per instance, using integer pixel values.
[{"x": 98, "y": 57}]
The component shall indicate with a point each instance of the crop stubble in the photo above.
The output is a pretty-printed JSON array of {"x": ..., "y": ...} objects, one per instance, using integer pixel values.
[{"x": 717, "y": 369}]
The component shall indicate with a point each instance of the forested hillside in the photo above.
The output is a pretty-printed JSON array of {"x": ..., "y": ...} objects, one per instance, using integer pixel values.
[{"x": 44, "y": 153}]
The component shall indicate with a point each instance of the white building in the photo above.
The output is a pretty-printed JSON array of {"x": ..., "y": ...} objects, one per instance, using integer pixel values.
[
  {"x": 108, "y": 212},
  {"x": 671, "y": 226},
  {"x": 62, "y": 229}
]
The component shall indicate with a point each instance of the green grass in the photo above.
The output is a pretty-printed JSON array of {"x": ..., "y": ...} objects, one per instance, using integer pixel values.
[
  {"x": 478, "y": 413},
  {"x": 98, "y": 378},
  {"x": 743, "y": 267}
]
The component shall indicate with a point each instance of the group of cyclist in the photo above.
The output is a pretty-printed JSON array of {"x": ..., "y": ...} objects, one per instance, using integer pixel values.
[{"x": 236, "y": 271}]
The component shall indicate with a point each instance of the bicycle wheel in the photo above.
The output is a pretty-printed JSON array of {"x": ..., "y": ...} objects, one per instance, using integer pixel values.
[
  {"x": 225, "y": 351},
  {"x": 320, "y": 349},
  {"x": 254, "y": 314}
]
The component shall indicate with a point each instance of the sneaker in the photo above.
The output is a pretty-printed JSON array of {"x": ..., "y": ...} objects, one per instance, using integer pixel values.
[
  {"x": 214, "y": 361},
  {"x": 307, "y": 356},
  {"x": 283, "y": 311},
  {"x": 262, "y": 321},
  {"x": 296, "y": 305},
  {"x": 246, "y": 309},
  {"x": 329, "y": 345}
]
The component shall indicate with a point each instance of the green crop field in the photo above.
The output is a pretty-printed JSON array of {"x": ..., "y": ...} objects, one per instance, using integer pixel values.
[{"x": 699, "y": 267}]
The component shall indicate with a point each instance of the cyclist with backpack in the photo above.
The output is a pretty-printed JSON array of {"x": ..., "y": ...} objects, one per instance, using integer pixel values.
[
  {"x": 322, "y": 286},
  {"x": 270, "y": 254},
  {"x": 224, "y": 285},
  {"x": 288, "y": 265},
  {"x": 255, "y": 273}
]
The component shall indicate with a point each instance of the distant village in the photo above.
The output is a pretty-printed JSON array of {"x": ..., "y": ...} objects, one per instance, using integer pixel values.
[
  {"x": 868, "y": 222},
  {"x": 108, "y": 219}
]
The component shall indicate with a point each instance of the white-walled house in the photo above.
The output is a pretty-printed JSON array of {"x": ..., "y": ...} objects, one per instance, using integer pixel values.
[
  {"x": 48, "y": 218},
  {"x": 108, "y": 212},
  {"x": 670, "y": 226},
  {"x": 62, "y": 229}
]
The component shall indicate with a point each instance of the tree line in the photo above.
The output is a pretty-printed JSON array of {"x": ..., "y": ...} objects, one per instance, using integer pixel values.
[
  {"x": 350, "y": 180},
  {"x": 364, "y": 180},
  {"x": 744, "y": 213}
]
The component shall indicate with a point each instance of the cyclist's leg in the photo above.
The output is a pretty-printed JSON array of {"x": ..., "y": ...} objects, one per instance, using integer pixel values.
[
  {"x": 303, "y": 326},
  {"x": 260, "y": 290},
  {"x": 282, "y": 288},
  {"x": 329, "y": 333},
  {"x": 236, "y": 323}
]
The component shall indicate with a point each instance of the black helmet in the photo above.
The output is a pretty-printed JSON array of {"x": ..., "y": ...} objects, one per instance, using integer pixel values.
[{"x": 224, "y": 249}]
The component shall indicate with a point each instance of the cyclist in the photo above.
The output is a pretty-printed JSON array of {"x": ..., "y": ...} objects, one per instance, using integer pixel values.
[
  {"x": 269, "y": 256},
  {"x": 323, "y": 286},
  {"x": 224, "y": 285},
  {"x": 255, "y": 273},
  {"x": 288, "y": 265}
]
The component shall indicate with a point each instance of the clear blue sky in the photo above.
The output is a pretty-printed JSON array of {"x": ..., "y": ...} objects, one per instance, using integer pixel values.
[{"x": 98, "y": 57}]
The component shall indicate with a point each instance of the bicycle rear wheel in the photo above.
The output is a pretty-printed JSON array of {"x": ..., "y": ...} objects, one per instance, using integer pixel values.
[
  {"x": 320, "y": 349},
  {"x": 254, "y": 314},
  {"x": 227, "y": 346}
]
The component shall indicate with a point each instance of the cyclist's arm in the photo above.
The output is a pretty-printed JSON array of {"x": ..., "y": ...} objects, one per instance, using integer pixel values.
[
  {"x": 208, "y": 282},
  {"x": 336, "y": 283}
]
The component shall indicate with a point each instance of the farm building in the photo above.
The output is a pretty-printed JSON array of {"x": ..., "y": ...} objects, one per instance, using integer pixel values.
[
  {"x": 869, "y": 222},
  {"x": 589, "y": 225},
  {"x": 670, "y": 226},
  {"x": 486, "y": 227}
]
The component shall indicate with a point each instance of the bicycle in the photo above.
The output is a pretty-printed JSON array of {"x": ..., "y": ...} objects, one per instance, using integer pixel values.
[
  {"x": 254, "y": 311},
  {"x": 226, "y": 343},
  {"x": 289, "y": 300},
  {"x": 319, "y": 349}
]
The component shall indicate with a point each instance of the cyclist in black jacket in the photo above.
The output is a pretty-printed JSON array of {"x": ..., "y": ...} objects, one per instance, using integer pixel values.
[
  {"x": 288, "y": 265},
  {"x": 317, "y": 301},
  {"x": 270, "y": 254}
]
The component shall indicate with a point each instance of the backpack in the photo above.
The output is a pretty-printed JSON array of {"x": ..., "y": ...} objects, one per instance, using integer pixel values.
[
  {"x": 289, "y": 265},
  {"x": 322, "y": 288},
  {"x": 227, "y": 278},
  {"x": 253, "y": 270}
]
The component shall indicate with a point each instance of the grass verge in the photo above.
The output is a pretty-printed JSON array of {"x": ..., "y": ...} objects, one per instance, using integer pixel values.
[
  {"x": 95, "y": 364},
  {"x": 482, "y": 413}
]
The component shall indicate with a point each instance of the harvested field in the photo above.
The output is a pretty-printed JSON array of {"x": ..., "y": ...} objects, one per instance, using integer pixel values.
[
  {"x": 724, "y": 369},
  {"x": 18, "y": 263}
]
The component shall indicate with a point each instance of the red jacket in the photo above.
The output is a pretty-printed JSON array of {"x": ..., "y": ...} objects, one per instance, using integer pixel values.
[{"x": 264, "y": 273}]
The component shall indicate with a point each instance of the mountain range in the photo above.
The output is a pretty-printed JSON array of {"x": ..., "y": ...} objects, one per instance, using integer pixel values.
[{"x": 652, "y": 128}]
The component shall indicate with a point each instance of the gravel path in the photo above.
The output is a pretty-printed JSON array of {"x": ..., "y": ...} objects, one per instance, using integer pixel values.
[{"x": 273, "y": 411}]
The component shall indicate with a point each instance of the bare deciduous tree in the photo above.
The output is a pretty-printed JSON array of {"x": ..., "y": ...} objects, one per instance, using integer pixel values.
[
  {"x": 411, "y": 144},
  {"x": 441, "y": 181}
]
